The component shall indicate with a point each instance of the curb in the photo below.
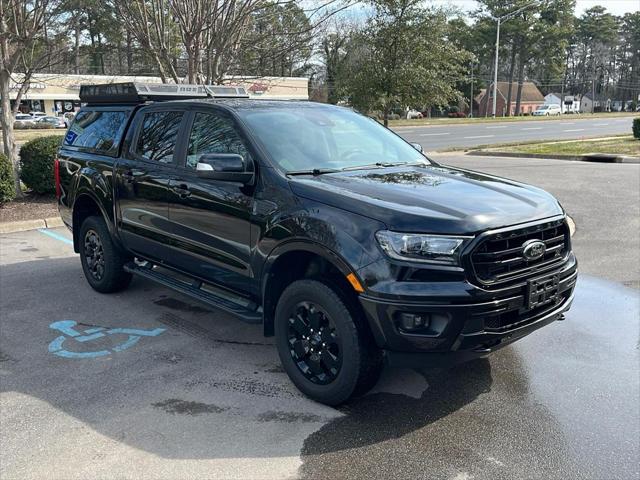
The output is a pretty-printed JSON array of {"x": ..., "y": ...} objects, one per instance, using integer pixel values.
[
  {"x": 25, "y": 225},
  {"x": 591, "y": 157}
]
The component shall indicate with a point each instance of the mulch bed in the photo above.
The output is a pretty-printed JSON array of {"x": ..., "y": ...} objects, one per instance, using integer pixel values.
[{"x": 31, "y": 207}]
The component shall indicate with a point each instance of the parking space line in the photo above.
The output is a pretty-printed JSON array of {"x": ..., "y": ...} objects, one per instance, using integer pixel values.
[
  {"x": 501, "y": 126},
  {"x": 433, "y": 134},
  {"x": 480, "y": 136},
  {"x": 566, "y": 123},
  {"x": 56, "y": 236},
  {"x": 600, "y": 124},
  {"x": 532, "y": 128},
  {"x": 575, "y": 130}
]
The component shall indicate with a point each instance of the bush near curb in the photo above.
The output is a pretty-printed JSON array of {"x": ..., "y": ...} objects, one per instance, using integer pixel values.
[
  {"x": 36, "y": 163},
  {"x": 636, "y": 128},
  {"x": 7, "y": 191}
]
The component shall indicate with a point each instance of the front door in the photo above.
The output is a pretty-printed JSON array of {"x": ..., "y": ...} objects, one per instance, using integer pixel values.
[
  {"x": 142, "y": 182},
  {"x": 210, "y": 219}
]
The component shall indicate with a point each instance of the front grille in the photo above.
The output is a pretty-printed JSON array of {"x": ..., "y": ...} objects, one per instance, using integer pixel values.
[{"x": 498, "y": 259}]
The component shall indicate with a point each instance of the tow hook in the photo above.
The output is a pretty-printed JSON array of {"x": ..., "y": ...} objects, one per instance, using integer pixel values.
[{"x": 561, "y": 317}]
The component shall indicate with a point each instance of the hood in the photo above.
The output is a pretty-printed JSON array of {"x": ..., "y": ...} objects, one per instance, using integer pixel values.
[{"x": 430, "y": 199}]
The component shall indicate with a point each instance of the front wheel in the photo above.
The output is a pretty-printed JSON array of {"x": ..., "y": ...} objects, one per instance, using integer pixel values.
[
  {"x": 102, "y": 263},
  {"x": 327, "y": 352}
]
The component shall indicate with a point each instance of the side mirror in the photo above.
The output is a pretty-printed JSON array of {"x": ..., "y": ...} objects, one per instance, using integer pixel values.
[
  {"x": 226, "y": 167},
  {"x": 417, "y": 146}
]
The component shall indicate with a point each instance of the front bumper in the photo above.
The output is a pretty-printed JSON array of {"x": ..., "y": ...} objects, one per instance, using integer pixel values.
[{"x": 462, "y": 331}]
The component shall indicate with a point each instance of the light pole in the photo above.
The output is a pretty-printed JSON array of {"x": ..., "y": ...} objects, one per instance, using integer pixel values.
[
  {"x": 471, "y": 93},
  {"x": 501, "y": 19}
]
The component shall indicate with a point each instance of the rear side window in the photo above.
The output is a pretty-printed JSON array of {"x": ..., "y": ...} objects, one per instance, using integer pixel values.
[
  {"x": 158, "y": 136},
  {"x": 98, "y": 131}
]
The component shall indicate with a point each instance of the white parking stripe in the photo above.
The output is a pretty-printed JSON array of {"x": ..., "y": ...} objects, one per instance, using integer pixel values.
[
  {"x": 480, "y": 136},
  {"x": 432, "y": 134},
  {"x": 575, "y": 130},
  {"x": 532, "y": 128},
  {"x": 499, "y": 126},
  {"x": 566, "y": 123},
  {"x": 600, "y": 124}
]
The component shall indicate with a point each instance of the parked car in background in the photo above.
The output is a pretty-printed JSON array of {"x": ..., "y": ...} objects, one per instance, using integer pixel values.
[
  {"x": 37, "y": 115},
  {"x": 55, "y": 122},
  {"x": 548, "y": 110},
  {"x": 411, "y": 114},
  {"x": 24, "y": 119}
]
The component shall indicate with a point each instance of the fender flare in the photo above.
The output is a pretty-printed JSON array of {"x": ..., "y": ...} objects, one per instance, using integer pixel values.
[
  {"x": 85, "y": 192},
  {"x": 297, "y": 244}
]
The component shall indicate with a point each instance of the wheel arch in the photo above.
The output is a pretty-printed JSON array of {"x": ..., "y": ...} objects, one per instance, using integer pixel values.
[
  {"x": 296, "y": 260},
  {"x": 85, "y": 205}
]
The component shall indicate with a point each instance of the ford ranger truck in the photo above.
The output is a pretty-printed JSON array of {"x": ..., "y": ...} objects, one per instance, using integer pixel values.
[{"x": 334, "y": 234}]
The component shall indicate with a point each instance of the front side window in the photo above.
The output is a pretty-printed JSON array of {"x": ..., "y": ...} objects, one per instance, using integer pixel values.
[
  {"x": 100, "y": 131},
  {"x": 213, "y": 133},
  {"x": 158, "y": 136}
]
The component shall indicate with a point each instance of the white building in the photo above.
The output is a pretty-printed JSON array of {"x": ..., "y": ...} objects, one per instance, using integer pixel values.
[
  {"x": 571, "y": 103},
  {"x": 57, "y": 94}
]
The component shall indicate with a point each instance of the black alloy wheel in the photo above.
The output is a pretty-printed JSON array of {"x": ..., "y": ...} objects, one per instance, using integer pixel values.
[
  {"x": 102, "y": 262},
  {"x": 94, "y": 254},
  {"x": 314, "y": 344}
]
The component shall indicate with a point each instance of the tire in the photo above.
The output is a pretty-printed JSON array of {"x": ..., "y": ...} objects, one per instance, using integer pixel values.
[
  {"x": 342, "y": 336},
  {"x": 102, "y": 262}
]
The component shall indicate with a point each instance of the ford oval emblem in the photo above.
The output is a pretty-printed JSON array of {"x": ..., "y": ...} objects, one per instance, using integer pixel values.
[{"x": 533, "y": 249}]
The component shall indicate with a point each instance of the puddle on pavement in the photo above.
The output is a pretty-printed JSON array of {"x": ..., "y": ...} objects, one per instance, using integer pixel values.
[{"x": 513, "y": 415}]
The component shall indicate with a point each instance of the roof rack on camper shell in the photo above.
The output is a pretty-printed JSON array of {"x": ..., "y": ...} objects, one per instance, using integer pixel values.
[{"x": 109, "y": 93}]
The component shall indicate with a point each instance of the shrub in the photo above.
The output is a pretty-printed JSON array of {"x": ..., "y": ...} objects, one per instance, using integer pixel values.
[
  {"x": 32, "y": 126},
  {"x": 7, "y": 191},
  {"x": 636, "y": 128},
  {"x": 36, "y": 163}
]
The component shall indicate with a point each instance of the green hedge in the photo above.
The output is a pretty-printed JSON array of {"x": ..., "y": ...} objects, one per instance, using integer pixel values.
[
  {"x": 636, "y": 128},
  {"x": 36, "y": 163},
  {"x": 7, "y": 191}
]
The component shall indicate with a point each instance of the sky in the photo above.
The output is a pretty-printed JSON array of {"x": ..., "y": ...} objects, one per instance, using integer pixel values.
[{"x": 616, "y": 7}]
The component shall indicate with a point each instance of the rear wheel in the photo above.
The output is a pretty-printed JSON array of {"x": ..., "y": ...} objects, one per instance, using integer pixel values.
[
  {"x": 102, "y": 263},
  {"x": 326, "y": 351}
]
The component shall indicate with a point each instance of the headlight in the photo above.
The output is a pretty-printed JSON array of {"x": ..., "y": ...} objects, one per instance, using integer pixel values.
[{"x": 439, "y": 249}]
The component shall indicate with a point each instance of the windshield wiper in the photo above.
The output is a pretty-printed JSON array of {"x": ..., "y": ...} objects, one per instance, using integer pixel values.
[
  {"x": 374, "y": 165},
  {"x": 314, "y": 172}
]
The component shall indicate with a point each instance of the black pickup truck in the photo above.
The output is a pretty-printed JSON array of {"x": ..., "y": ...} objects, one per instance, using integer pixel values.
[{"x": 338, "y": 237}]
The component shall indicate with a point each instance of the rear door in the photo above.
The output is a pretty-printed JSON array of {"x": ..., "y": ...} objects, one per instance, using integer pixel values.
[
  {"x": 210, "y": 218},
  {"x": 142, "y": 180}
]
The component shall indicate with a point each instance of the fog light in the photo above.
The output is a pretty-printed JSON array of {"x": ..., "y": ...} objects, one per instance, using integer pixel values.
[{"x": 414, "y": 321}]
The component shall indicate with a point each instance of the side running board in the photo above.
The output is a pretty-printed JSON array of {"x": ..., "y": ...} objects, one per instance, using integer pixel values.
[{"x": 249, "y": 312}]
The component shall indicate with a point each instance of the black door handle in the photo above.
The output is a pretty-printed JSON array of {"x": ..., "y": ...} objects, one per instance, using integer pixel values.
[{"x": 182, "y": 190}]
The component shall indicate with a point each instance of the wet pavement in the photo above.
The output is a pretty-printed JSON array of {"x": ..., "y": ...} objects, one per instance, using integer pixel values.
[
  {"x": 562, "y": 403},
  {"x": 206, "y": 398}
]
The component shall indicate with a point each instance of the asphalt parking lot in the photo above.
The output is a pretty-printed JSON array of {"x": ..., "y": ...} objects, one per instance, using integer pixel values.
[{"x": 148, "y": 384}]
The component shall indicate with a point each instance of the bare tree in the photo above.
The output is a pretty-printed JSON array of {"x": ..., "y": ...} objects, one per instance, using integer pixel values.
[
  {"x": 210, "y": 33},
  {"x": 24, "y": 49}
]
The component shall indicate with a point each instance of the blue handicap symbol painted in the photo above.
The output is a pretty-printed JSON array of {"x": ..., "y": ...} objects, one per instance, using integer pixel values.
[{"x": 66, "y": 327}]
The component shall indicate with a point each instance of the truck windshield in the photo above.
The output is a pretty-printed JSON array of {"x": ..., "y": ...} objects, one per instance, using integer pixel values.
[{"x": 308, "y": 138}]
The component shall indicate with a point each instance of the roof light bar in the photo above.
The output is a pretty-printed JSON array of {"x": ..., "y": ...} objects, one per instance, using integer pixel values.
[{"x": 143, "y": 92}]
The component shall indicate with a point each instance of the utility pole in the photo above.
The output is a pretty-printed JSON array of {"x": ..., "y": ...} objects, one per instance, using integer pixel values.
[
  {"x": 495, "y": 70},
  {"x": 471, "y": 93}
]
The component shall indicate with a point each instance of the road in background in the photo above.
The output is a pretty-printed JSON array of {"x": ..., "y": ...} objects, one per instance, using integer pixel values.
[{"x": 442, "y": 137}]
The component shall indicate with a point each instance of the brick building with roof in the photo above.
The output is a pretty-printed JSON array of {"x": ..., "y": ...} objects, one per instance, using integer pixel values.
[{"x": 531, "y": 99}]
